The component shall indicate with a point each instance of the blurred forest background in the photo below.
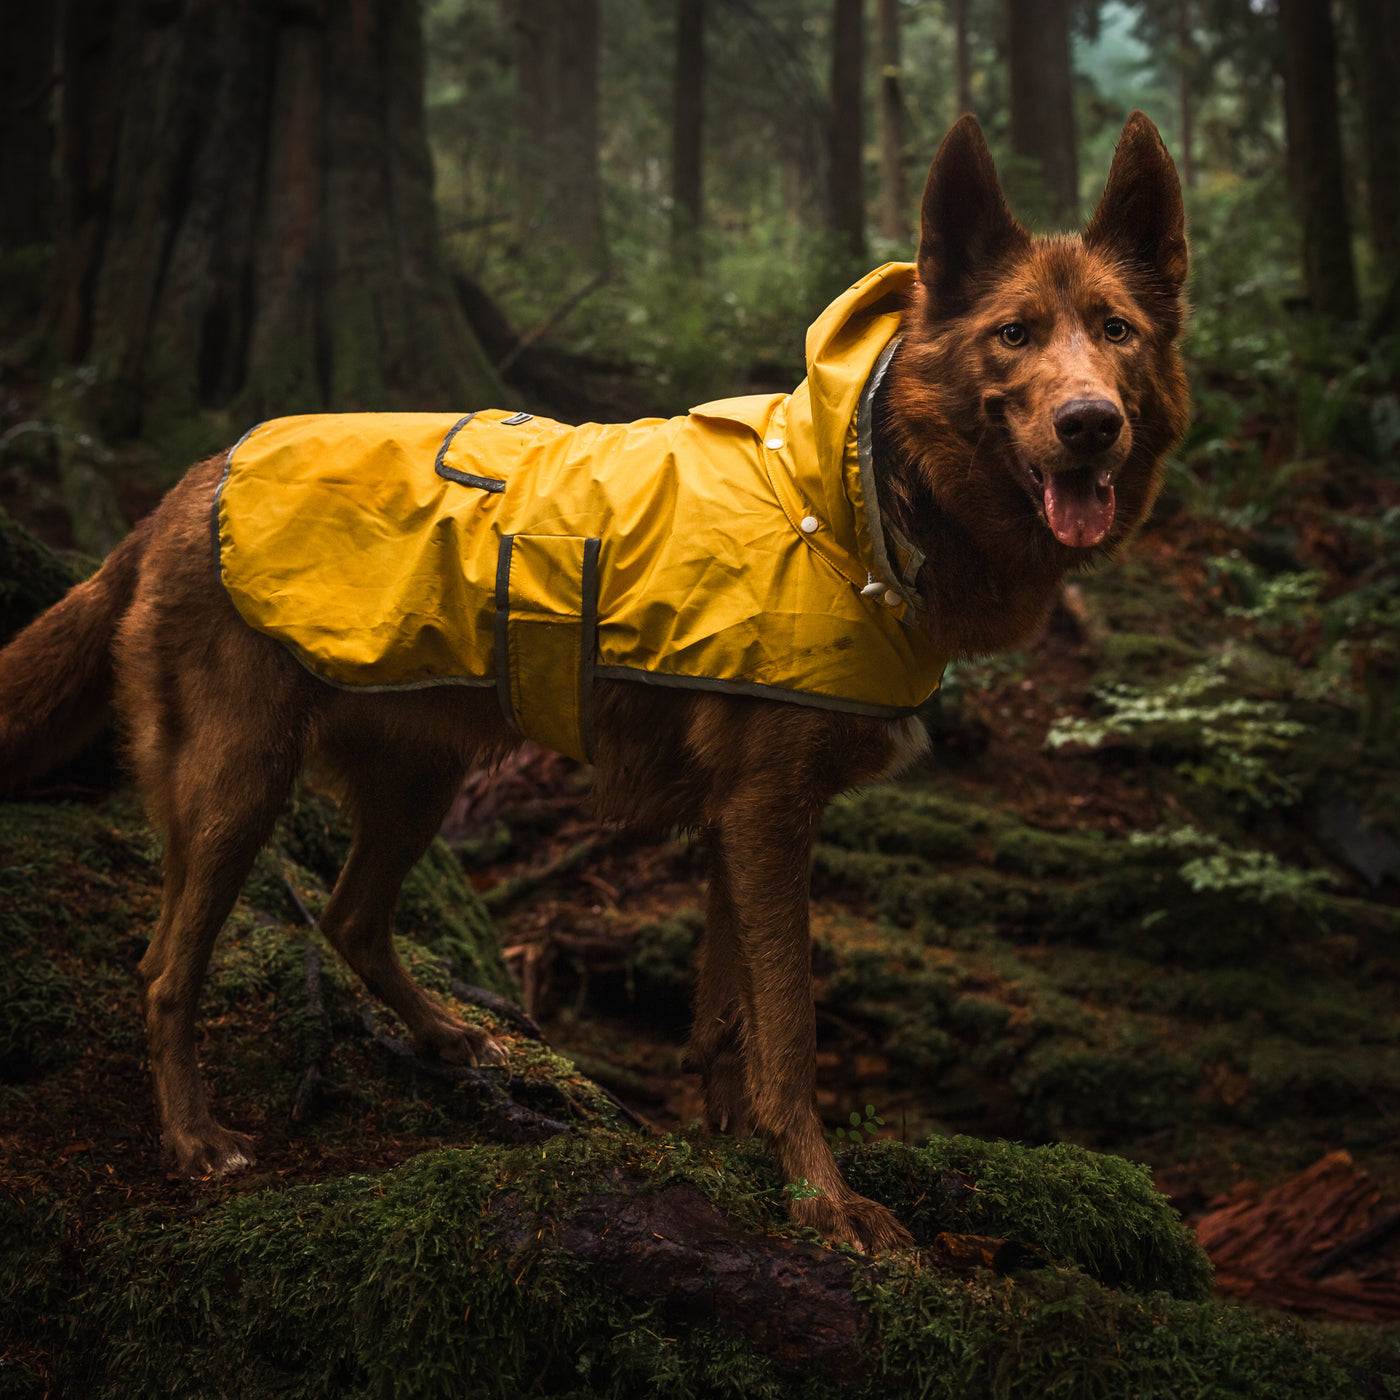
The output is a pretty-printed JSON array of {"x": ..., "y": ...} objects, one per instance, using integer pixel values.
[{"x": 1145, "y": 894}]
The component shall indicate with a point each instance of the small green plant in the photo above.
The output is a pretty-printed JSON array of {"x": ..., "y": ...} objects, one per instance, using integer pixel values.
[
  {"x": 860, "y": 1127},
  {"x": 1215, "y": 867},
  {"x": 802, "y": 1189},
  {"x": 1232, "y": 744}
]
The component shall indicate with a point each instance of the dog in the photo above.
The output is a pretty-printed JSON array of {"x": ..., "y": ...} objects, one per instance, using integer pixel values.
[{"x": 1028, "y": 390}]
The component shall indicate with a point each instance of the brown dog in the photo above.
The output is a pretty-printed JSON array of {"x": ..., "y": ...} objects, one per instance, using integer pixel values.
[{"x": 1018, "y": 434}]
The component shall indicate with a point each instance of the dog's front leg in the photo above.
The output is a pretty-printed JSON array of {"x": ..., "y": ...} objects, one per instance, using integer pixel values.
[{"x": 755, "y": 1020}]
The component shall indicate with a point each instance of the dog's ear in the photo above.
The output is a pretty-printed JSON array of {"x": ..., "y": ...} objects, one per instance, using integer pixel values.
[
  {"x": 966, "y": 226},
  {"x": 1140, "y": 218}
]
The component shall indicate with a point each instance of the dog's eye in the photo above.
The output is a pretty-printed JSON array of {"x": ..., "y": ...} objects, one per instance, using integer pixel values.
[
  {"x": 1013, "y": 334},
  {"x": 1116, "y": 328}
]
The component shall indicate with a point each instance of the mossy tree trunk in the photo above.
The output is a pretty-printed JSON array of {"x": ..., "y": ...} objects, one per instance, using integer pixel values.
[
  {"x": 559, "y": 189},
  {"x": 1042, "y": 100},
  {"x": 245, "y": 213},
  {"x": 26, "y": 137},
  {"x": 845, "y": 139},
  {"x": 1315, "y": 166}
]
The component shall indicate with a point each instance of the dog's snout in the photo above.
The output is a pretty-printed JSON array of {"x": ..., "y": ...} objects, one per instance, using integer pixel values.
[{"x": 1088, "y": 425}]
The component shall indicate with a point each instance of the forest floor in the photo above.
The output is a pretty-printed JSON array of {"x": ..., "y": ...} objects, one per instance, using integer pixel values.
[{"x": 1143, "y": 895}]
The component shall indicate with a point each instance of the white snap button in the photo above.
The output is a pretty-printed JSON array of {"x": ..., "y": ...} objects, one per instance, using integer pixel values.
[
  {"x": 773, "y": 444},
  {"x": 891, "y": 597},
  {"x": 810, "y": 523}
]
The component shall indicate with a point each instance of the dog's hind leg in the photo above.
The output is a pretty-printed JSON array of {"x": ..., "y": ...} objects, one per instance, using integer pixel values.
[
  {"x": 398, "y": 785},
  {"x": 218, "y": 790}
]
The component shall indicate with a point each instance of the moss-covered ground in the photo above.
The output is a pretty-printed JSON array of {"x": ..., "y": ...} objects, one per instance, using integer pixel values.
[{"x": 1125, "y": 939}]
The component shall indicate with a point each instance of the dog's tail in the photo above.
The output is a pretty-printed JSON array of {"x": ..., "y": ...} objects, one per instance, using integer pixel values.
[{"x": 56, "y": 675}]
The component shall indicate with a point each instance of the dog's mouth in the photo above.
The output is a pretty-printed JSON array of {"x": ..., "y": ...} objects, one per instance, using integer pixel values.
[{"x": 1078, "y": 504}]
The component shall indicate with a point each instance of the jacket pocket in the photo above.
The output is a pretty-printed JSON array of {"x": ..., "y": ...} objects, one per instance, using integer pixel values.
[{"x": 546, "y": 637}]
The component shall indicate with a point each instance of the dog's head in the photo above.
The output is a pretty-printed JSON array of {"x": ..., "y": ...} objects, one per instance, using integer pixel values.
[{"x": 1053, "y": 359}]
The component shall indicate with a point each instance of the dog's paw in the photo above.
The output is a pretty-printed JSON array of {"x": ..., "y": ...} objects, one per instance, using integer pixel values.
[
  {"x": 458, "y": 1043},
  {"x": 208, "y": 1151},
  {"x": 865, "y": 1225}
]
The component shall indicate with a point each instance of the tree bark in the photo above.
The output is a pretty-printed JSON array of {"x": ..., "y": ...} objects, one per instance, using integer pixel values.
[
  {"x": 1042, "y": 100},
  {"x": 1378, "y": 64},
  {"x": 845, "y": 177},
  {"x": 560, "y": 196},
  {"x": 962, "y": 58},
  {"x": 894, "y": 200},
  {"x": 687, "y": 133},
  {"x": 1186, "y": 97},
  {"x": 246, "y": 215},
  {"x": 26, "y": 136},
  {"x": 1315, "y": 156}
]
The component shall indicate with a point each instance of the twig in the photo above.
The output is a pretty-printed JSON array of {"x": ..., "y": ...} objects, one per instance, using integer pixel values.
[
  {"x": 554, "y": 317},
  {"x": 520, "y": 1124},
  {"x": 497, "y": 1005},
  {"x": 511, "y": 891},
  {"x": 319, "y": 1034}
]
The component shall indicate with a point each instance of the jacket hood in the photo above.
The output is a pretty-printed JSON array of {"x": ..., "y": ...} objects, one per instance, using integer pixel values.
[{"x": 816, "y": 440}]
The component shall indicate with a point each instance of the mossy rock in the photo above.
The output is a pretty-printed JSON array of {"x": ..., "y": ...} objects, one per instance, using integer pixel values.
[
  {"x": 32, "y": 577},
  {"x": 459, "y": 1274}
]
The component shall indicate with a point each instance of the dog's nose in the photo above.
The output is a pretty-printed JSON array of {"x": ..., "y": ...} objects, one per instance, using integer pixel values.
[{"x": 1088, "y": 425}]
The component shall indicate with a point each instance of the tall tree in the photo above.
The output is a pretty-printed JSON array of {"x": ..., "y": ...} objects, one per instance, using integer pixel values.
[
  {"x": 26, "y": 136},
  {"x": 846, "y": 141},
  {"x": 688, "y": 131},
  {"x": 1315, "y": 165},
  {"x": 246, "y": 217},
  {"x": 1186, "y": 97},
  {"x": 1378, "y": 62},
  {"x": 894, "y": 213},
  {"x": 559, "y": 188},
  {"x": 962, "y": 57},
  {"x": 1042, "y": 99}
]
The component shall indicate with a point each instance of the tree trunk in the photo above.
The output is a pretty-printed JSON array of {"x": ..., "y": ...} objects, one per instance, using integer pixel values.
[
  {"x": 1042, "y": 100},
  {"x": 246, "y": 216},
  {"x": 1185, "y": 67},
  {"x": 962, "y": 58},
  {"x": 560, "y": 197},
  {"x": 26, "y": 136},
  {"x": 894, "y": 213},
  {"x": 845, "y": 180},
  {"x": 687, "y": 133},
  {"x": 1315, "y": 156},
  {"x": 1378, "y": 63}
]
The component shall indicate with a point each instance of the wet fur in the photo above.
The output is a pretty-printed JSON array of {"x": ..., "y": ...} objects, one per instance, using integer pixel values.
[{"x": 220, "y": 719}]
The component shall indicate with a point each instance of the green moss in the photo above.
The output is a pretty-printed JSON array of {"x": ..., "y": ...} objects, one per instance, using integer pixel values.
[
  {"x": 32, "y": 577},
  {"x": 404, "y": 1283}
]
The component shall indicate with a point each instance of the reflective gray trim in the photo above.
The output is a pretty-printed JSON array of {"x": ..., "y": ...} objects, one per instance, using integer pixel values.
[
  {"x": 503, "y": 631},
  {"x": 483, "y": 483},
  {"x": 755, "y": 689},
  {"x": 588, "y": 641},
  {"x": 385, "y": 687}
]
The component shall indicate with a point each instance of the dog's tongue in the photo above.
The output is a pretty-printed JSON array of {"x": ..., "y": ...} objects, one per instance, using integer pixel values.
[{"x": 1078, "y": 507}]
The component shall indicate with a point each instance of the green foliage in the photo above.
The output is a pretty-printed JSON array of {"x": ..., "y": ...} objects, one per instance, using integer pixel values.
[
  {"x": 1231, "y": 743},
  {"x": 860, "y": 1125},
  {"x": 1217, "y": 868}
]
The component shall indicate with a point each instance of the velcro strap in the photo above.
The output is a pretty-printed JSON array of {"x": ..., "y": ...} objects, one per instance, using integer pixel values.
[{"x": 546, "y": 635}]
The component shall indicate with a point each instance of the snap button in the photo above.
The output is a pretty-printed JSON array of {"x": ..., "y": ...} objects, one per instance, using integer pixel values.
[
  {"x": 810, "y": 523},
  {"x": 773, "y": 444},
  {"x": 891, "y": 597}
]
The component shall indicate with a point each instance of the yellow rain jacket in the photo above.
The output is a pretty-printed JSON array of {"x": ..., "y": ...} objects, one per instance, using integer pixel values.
[{"x": 737, "y": 548}]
